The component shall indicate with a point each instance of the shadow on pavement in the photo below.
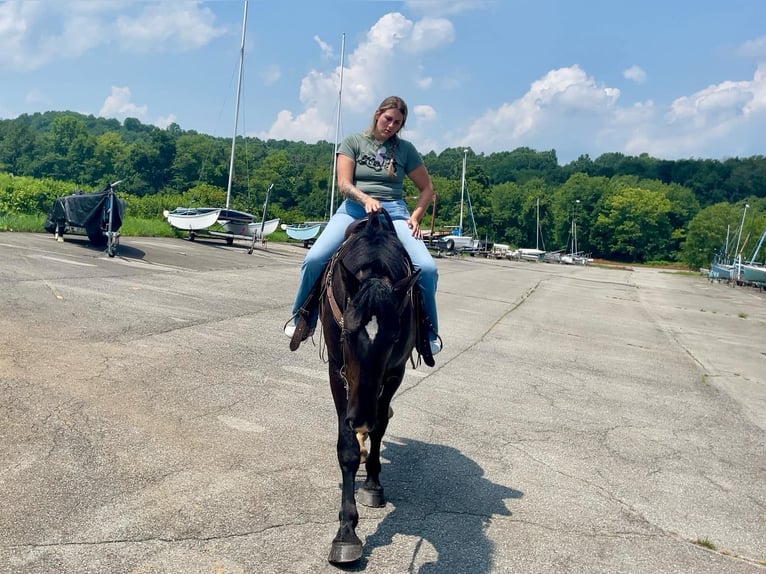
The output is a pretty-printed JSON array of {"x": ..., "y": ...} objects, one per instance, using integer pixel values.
[{"x": 441, "y": 497}]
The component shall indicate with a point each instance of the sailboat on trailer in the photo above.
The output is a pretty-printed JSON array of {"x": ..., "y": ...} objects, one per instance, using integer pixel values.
[
  {"x": 233, "y": 223},
  {"x": 457, "y": 241},
  {"x": 308, "y": 231},
  {"x": 724, "y": 266},
  {"x": 529, "y": 253}
]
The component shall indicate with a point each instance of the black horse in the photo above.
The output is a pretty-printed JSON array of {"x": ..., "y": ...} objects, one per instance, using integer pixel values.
[{"x": 369, "y": 322}]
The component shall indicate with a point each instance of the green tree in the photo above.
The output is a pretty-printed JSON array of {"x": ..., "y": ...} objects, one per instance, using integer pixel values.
[{"x": 633, "y": 225}]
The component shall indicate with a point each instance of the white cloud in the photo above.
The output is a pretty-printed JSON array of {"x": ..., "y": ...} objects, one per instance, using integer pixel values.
[
  {"x": 729, "y": 117},
  {"x": 163, "y": 122},
  {"x": 391, "y": 45},
  {"x": 568, "y": 111},
  {"x": 31, "y": 34},
  {"x": 429, "y": 34},
  {"x": 424, "y": 83},
  {"x": 118, "y": 105},
  {"x": 635, "y": 73},
  {"x": 167, "y": 25},
  {"x": 324, "y": 47},
  {"x": 271, "y": 75},
  {"x": 308, "y": 126},
  {"x": 557, "y": 103},
  {"x": 755, "y": 49},
  {"x": 424, "y": 112},
  {"x": 446, "y": 7},
  {"x": 35, "y": 34}
]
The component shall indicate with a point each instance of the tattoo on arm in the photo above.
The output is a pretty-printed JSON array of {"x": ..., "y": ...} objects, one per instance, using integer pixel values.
[{"x": 353, "y": 192}]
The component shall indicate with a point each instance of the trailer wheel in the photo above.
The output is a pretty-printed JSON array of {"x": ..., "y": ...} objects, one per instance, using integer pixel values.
[{"x": 450, "y": 244}]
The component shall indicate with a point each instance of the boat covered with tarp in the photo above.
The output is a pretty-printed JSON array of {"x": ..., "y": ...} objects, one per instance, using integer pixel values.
[{"x": 98, "y": 215}]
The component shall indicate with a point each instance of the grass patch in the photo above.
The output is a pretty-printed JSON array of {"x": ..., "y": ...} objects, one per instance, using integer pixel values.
[
  {"x": 137, "y": 227},
  {"x": 686, "y": 272},
  {"x": 22, "y": 222},
  {"x": 705, "y": 543}
]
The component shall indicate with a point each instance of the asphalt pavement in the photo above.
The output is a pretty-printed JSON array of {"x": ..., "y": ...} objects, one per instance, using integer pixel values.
[{"x": 579, "y": 420}]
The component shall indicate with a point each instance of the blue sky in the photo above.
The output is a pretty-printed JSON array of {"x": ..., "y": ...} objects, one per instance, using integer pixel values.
[{"x": 674, "y": 79}]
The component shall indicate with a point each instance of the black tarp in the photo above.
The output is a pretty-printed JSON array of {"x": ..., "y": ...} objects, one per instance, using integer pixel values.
[{"x": 87, "y": 210}]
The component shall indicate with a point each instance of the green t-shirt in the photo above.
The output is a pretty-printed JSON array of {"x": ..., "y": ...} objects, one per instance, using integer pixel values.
[{"x": 371, "y": 164}]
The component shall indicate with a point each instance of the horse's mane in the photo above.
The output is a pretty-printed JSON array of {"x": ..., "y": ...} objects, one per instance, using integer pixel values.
[{"x": 376, "y": 250}]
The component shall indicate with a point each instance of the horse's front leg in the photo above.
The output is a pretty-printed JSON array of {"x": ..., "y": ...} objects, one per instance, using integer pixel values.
[
  {"x": 346, "y": 546},
  {"x": 371, "y": 492}
]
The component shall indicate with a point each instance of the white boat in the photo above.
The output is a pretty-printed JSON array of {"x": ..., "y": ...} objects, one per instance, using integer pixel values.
[
  {"x": 225, "y": 222},
  {"x": 191, "y": 218},
  {"x": 726, "y": 265},
  {"x": 304, "y": 231},
  {"x": 456, "y": 241},
  {"x": 751, "y": 272},
  {"x": 575, "y": 257},
  {"x": 256, "y": 229},
  {"x": 529, "y": 253}
]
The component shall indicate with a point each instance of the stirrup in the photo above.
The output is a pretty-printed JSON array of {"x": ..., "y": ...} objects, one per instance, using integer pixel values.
[{"x": 301, "y": 331}]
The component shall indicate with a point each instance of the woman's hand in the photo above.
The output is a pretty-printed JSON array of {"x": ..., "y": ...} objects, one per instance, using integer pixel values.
[
  {"x": 414, "y": 225},
  {"x": 371, "y": 205}
]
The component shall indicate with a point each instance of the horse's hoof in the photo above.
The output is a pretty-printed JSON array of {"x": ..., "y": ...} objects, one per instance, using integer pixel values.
[
  {"x": 345, "y": 552},
  {"x": 371, "y": 498}
]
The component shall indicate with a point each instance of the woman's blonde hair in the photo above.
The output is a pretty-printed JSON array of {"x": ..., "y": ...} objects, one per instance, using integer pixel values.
[{"x": 390, "y": 103}]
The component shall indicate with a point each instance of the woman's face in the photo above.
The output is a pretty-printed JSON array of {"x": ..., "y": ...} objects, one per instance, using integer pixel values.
[{"x": 389, "y": 122}]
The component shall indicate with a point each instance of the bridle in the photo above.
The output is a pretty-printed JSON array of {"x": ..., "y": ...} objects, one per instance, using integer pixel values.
[{"x": 337, "y": 312}]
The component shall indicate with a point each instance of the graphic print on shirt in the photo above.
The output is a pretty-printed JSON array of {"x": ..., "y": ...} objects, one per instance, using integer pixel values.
[{"x": 377, "y": 161}]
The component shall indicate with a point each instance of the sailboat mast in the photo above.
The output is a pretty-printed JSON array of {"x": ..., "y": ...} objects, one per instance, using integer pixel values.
[
  {"x": 337, "y": 126},
  {"x": 236, "y": 108},
  {"x": 741, "y": 225},
  {"x": 462, "y": 192},
  {"x": 537, "y": 227},
  {"x": 574, "y": 226}
]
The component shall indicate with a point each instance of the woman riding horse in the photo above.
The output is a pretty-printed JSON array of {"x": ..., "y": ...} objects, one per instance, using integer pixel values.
[{"x": 371, "y": 167}]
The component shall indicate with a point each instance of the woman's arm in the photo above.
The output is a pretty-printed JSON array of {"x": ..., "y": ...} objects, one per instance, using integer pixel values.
[
  {"x": 345, "y": 170},
  {"x": 422, "y": 181}
]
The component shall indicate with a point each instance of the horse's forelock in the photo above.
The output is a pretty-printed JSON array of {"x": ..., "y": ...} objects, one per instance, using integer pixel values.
[{"x": 378, "y": 249}]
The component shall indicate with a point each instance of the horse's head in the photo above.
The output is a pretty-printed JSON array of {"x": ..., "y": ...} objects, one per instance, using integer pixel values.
[{"x": 377, "y": 334}]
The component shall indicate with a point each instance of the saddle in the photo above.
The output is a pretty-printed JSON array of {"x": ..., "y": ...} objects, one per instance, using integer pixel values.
[{"x": 310, "y": 306}]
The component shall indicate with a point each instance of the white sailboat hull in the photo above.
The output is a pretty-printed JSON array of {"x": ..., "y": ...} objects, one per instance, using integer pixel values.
[
  {"x": 303, "y": 232},
  {"x": 192, "y": 219},
  {"x": 255, "y": 229},
  {"x": 530, "y": 254}
]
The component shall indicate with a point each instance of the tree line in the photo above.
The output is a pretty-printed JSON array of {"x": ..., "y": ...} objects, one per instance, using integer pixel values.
[{"x": 627, "y": 208}]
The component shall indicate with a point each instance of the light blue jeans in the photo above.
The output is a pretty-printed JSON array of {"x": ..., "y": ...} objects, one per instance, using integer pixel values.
[{"x": 332, "y": 237}]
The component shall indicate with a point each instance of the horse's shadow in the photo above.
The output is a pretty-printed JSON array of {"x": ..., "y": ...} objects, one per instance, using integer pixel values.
[{"x": 441, "y": 497}]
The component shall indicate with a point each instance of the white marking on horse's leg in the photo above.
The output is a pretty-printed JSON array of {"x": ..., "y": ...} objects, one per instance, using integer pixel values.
[{"x": 361, "y": 438}]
